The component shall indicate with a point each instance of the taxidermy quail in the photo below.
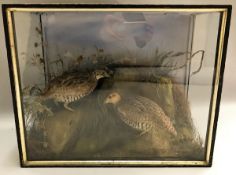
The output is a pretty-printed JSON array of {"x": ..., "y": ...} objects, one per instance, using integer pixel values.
[
  {"x": 72, "y": 87},
  {"x": 141, "y": 113}
]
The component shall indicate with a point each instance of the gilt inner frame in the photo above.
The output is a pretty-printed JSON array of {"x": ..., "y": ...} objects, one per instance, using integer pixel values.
[{"x": 225, "y": 11}]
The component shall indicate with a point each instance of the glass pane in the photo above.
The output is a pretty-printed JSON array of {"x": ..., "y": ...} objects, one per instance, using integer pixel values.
[{"x": 116, "y": 85}]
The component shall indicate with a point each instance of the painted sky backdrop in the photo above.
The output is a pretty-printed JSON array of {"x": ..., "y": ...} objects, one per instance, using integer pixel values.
[{"x": 115, "y": 33}]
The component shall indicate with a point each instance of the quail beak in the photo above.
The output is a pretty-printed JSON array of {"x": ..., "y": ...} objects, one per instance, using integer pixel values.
[
  {"x": 106, "y": 101},
  {"x": 107, "y": 75}
]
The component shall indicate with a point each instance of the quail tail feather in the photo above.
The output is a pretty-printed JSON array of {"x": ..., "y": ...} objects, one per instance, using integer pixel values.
[{"x": 168, "y": 124}]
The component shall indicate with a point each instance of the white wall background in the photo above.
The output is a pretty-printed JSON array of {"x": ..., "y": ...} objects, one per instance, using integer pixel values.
[{"x": 224, "y": 153}]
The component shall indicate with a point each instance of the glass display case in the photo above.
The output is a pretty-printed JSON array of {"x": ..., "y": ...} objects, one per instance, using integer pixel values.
[{"x": 116, "y": 85}]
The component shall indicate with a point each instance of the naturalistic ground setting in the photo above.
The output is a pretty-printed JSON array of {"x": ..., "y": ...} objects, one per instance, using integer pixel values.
[{"x": 100, "y": 101}]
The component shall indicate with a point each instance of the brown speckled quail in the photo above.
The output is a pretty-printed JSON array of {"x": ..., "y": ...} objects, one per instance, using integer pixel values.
[
  {"x": 141, "y": 113},
  {"x": 72, "y": 87}
]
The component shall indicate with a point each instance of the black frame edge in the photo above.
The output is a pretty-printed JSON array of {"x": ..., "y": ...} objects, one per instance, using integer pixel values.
[
  {"x": 10, "y": 65},
  {"x": 221, "y": 79},
  {"x": 84, "y": 5}
]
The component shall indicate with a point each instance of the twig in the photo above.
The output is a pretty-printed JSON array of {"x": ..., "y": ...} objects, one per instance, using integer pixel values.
[{"x": 200, "y": 66}]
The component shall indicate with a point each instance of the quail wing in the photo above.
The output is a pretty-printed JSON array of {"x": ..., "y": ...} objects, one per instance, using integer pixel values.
[{"x": 144, "y": 114}]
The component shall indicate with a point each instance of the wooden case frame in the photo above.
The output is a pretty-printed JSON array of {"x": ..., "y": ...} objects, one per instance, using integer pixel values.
[{"x": 225, "y": 11}]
